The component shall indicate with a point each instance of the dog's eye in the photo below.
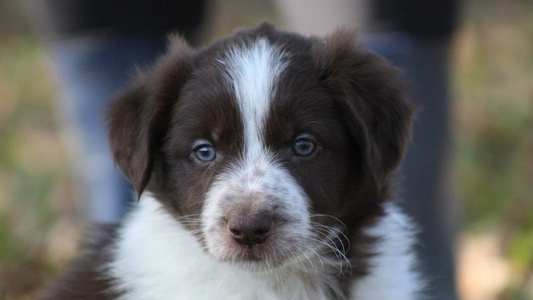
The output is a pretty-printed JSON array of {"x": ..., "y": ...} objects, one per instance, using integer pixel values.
[
  {"x": 205, "y": 153},
  {"x": 303, "y": 146}
]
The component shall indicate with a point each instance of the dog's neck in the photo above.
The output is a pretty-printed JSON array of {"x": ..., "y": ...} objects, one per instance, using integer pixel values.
[{"x": 156, "y": 257}]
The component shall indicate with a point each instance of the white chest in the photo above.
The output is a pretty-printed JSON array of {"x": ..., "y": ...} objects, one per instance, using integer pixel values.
[{"x": 157, "y": 258}]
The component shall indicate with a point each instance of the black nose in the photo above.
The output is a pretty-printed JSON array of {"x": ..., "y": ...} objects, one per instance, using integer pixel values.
[{"x": 250, "y": 229}]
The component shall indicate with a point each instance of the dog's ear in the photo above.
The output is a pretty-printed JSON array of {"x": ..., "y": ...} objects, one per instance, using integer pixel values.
[
  {"x": 139, "y": 118},
  {"x": 372, "y": 99}
]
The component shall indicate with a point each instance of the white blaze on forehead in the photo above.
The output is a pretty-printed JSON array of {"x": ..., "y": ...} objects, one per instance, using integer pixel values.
[
  {"x": 253, "y": 71},
  {"x": 255, "y": 180}
]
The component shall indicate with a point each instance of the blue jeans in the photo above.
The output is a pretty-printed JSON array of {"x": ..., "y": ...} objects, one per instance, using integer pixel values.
[
  {"x": 425, "y": 187},
  {"x": 94, "y": 68}
]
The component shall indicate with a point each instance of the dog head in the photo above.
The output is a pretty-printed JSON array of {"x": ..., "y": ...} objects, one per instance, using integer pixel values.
[{"x": 267, "y": 145}]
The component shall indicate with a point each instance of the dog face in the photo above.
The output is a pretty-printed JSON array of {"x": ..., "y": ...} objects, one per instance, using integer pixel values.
[{"x": 267, "y": 145}]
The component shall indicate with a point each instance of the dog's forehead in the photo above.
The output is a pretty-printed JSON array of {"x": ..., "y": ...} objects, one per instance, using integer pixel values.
[{"x": 258, "y": 78}]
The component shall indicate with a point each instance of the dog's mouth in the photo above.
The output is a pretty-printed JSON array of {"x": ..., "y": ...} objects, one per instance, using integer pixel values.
[
  {"x": 256, "y": 257},
  {"x": 255, "y": 245},
  {"x": 254, "y": 261},
  {"x": 257, "y": 260},
  {"x": 267, "y": 255},
  {"x": 306, "y": 250}
]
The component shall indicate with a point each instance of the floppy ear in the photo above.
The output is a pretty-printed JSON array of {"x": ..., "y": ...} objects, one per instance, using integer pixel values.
[
  {"x": 139, "y": 118},
  {"x": 372, "y": 99}
]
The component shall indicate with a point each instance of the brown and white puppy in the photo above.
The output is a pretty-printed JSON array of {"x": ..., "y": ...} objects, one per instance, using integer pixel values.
[{"x": 264, "y": 164}]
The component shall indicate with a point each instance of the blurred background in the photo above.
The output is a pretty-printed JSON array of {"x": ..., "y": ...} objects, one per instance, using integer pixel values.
[{"x": 492, "y": 88}]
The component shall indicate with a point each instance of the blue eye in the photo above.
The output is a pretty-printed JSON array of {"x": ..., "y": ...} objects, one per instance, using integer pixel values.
[
  {"x": 303, "y": 147},
  {"x": 205, "y": 153}
]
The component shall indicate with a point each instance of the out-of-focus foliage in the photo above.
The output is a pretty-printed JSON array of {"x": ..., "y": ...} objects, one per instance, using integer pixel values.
[
  {"x": 494, "y": 105},
  {"x": 493, "y": 81},
  {"x": 34, "y": 186}
]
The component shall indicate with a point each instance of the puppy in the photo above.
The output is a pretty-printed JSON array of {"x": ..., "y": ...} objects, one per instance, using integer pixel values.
[{"x": 263, "y": 164}]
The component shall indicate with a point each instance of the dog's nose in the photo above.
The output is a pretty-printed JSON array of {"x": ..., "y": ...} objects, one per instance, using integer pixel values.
[{"x": 250, "y": 229}]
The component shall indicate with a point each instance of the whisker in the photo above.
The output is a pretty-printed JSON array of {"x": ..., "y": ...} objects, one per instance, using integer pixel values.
[{"x": 326, "y": 242}]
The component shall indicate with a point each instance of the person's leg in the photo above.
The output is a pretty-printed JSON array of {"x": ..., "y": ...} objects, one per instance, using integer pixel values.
[
  {"x": 424, "y": 178},
  {"x": 424, "y": 58},
  {"x": 92, "y": 69},
  {"x": 95, "y": 45}
]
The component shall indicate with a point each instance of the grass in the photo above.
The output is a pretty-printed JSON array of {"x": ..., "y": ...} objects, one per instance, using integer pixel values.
[{"x": 493, "y": 105}]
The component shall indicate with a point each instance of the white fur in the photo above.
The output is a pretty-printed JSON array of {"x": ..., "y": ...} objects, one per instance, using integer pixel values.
[
  {"x": 155, "y": 257},
  {"x": 256, "y": 181},
  {"x": 253, "y": 71},
  {"x": 392, "y": 274},
  {"x": 263, "y": 186}
]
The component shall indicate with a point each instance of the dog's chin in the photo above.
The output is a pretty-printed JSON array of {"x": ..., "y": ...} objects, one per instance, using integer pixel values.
[
  {"x": 254, "y": 266},
  {"x": 253, "y": 260}
]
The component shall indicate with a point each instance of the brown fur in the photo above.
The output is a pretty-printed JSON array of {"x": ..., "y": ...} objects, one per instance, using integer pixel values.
[{"x": 348, "y": 98}]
